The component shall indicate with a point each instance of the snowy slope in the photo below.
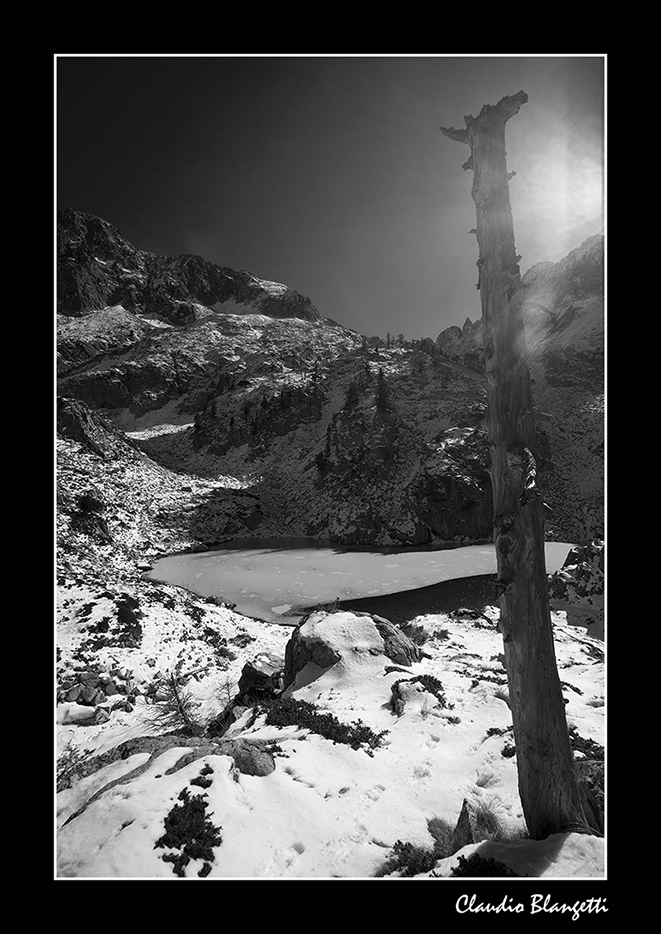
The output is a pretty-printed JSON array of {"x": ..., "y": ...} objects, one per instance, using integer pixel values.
[{"x": 326, "y": 810}]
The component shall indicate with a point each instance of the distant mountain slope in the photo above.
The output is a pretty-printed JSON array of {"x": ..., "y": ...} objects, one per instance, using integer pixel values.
[
  {"x": 564, "y": 317},
  {"x": 213, "y": 372},
  {"x": 98, "y": 267}
]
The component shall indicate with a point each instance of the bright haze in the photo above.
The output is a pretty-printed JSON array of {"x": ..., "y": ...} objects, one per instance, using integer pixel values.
[{"x": 330, "y": 173}]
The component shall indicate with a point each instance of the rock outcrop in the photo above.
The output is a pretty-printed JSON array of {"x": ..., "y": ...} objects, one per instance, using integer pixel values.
[
  {"x": 325, "y": 640},
  {"x": 578, "y": 588},
  {"x": 98, "y": 267},
  {"x": 563, "y": 307},
  {"x": 261, "y": 678}
]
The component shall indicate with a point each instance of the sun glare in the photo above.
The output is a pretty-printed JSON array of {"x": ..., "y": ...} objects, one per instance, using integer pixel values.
[{"x": 557, "y": 199}]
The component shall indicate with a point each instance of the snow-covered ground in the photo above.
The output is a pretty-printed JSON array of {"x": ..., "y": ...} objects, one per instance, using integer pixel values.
[{"x": 327, "y": 810}]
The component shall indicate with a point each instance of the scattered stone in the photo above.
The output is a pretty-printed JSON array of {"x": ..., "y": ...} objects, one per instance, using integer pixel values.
[
  {"x": 74, "y": 693},
  {"x": 250, "y": 757},
  {"x": 90, "y": 689},
  {"x": 89, "y": 677},
  {"x": 262, "y": 677},
  {"x": 465, "y": 613},
  {"x": 411, "y": 693},
  {"x": 75, "y": 713}
]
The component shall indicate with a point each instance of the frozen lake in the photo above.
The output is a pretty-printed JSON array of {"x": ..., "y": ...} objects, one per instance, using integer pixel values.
[{"x": 276, "y": 579}]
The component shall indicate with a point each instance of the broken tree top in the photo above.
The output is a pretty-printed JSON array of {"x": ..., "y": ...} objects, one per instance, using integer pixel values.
[{"x": 505, "y": 108}]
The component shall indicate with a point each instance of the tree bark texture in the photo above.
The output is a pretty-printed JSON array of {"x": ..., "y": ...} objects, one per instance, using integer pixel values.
[{"x": 547, "y": 783}]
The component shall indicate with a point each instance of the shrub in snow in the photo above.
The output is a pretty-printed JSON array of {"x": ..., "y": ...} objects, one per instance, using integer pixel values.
[
  {"x": 417, "y": 634},
  {"x": 176, "y": 709},
  {"x": 287, "y": 711},
  {"x": 409, "y": 860},
  {"x": 189, "y": 834},
  {"x": 498, "y": 731},
  {"x": 480, "y": 867},
  {"x": 71, "y": 765},
  {"x": 586, "y": 747},
  {"x": 128, "y": 618}
]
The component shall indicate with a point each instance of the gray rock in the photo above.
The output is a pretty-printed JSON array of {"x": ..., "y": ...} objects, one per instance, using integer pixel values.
[
  {"x": 250, "y": 758},
  {"x": 88, "y": 694},
  {"x": 261, "y": 677},
  {"x": 300, "y": 651},
  {"x": 578, "y": 588},
  {"x": 74, "y": 693},
  {"x": 464, "y": 833},
  {"x": 88, "y": 677},
  {"x": 398, "y": 646},
  {"x": 308, "y": 645},
  {"x": 401, "y": 692}
]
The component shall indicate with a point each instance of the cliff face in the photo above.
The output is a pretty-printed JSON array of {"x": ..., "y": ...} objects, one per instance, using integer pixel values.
[
  {"x": 210, "y": 372},
  {"x": 98, "y": 267},
  {"x": 563, "y": 306},
  {"x": 361, "y": 447}
]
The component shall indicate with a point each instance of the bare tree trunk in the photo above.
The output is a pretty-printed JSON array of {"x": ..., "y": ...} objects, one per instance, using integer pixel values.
[{"x": 547, "y": 783}]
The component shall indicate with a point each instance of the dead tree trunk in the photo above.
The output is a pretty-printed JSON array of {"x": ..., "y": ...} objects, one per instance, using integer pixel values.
[{"x": 547, "y": 783}]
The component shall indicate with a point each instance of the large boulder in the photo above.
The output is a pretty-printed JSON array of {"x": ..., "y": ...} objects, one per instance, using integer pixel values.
[{"x": 347, "y": 640}]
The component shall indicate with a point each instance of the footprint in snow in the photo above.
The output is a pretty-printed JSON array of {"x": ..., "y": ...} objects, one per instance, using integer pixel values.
[
  {"x": 282, "y": 859},
  {"x": 375, "y": 793}
]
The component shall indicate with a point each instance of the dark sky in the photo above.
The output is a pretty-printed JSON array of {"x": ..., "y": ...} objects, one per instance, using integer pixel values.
[{"x": 330, "y": 174}]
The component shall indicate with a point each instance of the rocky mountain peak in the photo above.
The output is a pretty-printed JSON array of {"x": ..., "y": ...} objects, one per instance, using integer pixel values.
[
  {"x": 575, "y": 277},
  {"x": 98, "y": 267}
]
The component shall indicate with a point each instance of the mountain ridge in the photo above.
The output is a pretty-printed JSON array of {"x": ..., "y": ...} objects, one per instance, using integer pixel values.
[
  {"x": 98, "y": 267},
  {"x": 346, "y": 438}
]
